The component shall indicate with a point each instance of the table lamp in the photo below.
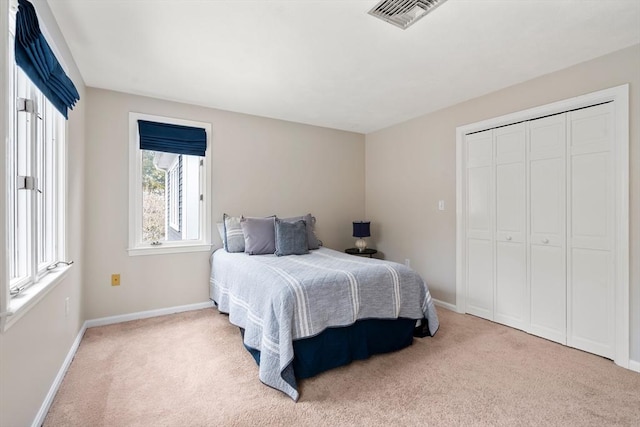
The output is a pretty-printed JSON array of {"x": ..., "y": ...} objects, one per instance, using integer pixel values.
[{"x": 361, "y": 229}]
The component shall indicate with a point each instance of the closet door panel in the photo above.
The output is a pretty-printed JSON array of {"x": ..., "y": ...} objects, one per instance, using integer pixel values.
[
  {"x": 510, "y": 202},
  {"x": 479, "y": 149},
  {"x": 548, "y": 293},
  {"x": 480, "y": 278},
  {"x": 590, "y": 313},
  {"x": 590, "y": 195},
  {"x": 510, "y": 144},
  {"x": 510, "y": 283},
  {"x": 591, "y": 279},
  {"x": 510, "y": 292},
  {"x": 479, "y": 198},
  {"x": 547, "y": 201},
  {"x": 479, "y": 219},
  {"x": 547, "y": 137},
  {"x": 510, "y": 219},
  {"x": 591, "y": 129},
  {"x": 547, "y": 207}
]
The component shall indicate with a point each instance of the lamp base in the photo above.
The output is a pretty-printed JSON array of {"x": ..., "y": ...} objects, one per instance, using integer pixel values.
[{"x": 361, "y": 245}]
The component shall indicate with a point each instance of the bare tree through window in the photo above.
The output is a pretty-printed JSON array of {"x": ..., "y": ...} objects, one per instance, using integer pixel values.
[{"x": 153, "y": 199}]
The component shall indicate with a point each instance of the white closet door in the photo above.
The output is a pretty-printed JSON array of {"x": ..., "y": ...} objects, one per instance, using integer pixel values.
[
  {"x": 479, "y": 214},
  {"x": 547, "y": 267},
  {"x": 591, "y": 221},
  {"x": 511, "y": 266}
]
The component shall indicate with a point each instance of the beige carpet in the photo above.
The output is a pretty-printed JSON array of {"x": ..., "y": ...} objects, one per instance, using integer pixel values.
[{"x": 191, "y": 369}]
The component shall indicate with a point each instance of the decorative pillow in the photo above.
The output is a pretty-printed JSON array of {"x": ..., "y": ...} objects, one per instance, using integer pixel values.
[
  {"x": 310, "y": 220},
  {"x": 259, "y": 235},
  {"x": 291, "y": 238},
  {"x": 233, "y": 237},
  {"x": 220, "y": 226}
]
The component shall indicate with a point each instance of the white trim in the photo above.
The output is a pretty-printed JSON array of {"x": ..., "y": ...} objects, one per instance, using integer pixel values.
[
  {"x": 443, "y": 304},
  {"x": 146, "y": 314},
  {"x": 46, "y": 404},
  {"x": 461, "y": 302},
  {"x": 621, "y": 233},
  {"x": 634, "y": 365},
  {"x": 5, "y": 118},
  {"x": 168, "y": 249},
  {"x": 18, "y": 306},
  {"x": 48, "y": 400},
  {"x": 620, "y": 96},
  {"x": 40, "y": 281},
  {"x": 617, "y": 93}
]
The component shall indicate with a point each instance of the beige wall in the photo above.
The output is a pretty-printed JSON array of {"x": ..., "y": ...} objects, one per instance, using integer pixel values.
[
  {"x": 33, "y": 350},
  {"x": 412, "y": 165},
  {"x": 260, "y": 167}
]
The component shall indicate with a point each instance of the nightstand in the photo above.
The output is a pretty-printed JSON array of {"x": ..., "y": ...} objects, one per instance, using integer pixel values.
[{"x": 367, "y": 252}]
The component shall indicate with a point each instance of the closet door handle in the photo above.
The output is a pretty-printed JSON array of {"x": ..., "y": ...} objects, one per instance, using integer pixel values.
[
  {"x": 545, "y": 240},
  {"x": 508, "y": 237}
]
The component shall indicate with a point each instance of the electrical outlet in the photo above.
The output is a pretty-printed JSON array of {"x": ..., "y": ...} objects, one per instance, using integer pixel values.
[
  {"x": 440, "y": 205},
  {"x": 407, "y": 262},
  {"x": 66, "y": 306},
  {"x": 115, "y": 280}
]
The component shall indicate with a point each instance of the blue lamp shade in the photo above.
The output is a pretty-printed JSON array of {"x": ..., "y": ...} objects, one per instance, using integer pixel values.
[{"x": 361, "y": 229}]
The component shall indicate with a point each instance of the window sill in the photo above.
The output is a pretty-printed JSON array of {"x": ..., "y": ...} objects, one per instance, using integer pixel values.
[
  {"x": 21, "y": 304},
  {"x": 169, "y": 249}
]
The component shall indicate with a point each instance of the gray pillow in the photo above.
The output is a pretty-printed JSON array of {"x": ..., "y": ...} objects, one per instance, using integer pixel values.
[
  {"x": 291, "y": 238},
  {"x": 310, "y": 221},
  {"x": 259, "y": 235},
  {"x": 220, "y": 226},
  {"x": 233, "y": 237}
]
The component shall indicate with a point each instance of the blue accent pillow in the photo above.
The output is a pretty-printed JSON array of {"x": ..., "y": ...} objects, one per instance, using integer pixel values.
[
  {"x": 291, "y": 238},
  {"x": 233, "y": 236},
  {"x": 313, "y": 241},
  {"x": 259, "y": 235}
]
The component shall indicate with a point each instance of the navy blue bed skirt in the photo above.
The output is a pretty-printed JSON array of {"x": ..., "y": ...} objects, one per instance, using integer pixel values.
[{"x": 339, "y": 346}]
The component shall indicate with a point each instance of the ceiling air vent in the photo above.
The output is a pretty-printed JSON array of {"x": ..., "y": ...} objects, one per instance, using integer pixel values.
[{"x": 403, "y": 13}]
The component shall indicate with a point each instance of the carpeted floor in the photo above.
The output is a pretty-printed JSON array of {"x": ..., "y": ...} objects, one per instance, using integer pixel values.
[{"x": 190, "y": 369}]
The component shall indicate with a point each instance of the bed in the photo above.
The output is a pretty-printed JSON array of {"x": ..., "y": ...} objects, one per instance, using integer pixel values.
[{"x": 302, "y": 314}]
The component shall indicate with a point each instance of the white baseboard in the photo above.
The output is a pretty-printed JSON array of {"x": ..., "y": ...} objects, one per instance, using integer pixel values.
[
  {"x": 48, "y": 400},
  {"x": 146, "y": 314},
  {"x": 44, "y": 408},
  {"x": 446, "y": 305},
  {"x": 634, "y": 365}
]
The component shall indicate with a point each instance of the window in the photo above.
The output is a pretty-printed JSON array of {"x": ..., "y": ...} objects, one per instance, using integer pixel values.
[
  {"x": 35, "y": 204},
  {"x": 169, "y": 210}
]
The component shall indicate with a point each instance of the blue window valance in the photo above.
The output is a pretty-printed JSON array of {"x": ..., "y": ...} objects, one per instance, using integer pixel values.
[
  {"x": 34, "y": 55},
  {"x": 172, "y": 138}
]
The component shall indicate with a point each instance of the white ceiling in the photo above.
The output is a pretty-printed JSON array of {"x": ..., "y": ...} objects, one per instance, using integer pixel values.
[{"x": 328, "y": 62}]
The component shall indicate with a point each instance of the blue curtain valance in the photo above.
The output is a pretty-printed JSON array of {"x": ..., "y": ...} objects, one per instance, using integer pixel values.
[
  {"x": 172, "y": 138},
  {"x": 34, "y": 55}
]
